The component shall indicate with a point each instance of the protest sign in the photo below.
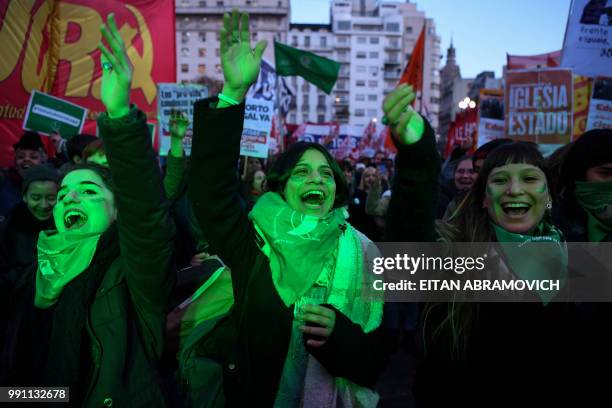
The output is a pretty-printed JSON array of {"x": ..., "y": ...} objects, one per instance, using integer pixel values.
[
  {"x": 587, "y": 47},
  {"x": 256, "y": 129},
  {"x": 600, "y": 108},
  {"x": 47, "y": 114},
  {"x": 582, "y": 96},
  {"x": 490, "y": 116},
  {"x": 52, "y": 46},
  {"x": 538, "y": 105},
  {"x": 464, "y": 125},
  {"x": 177, "y": 97}
]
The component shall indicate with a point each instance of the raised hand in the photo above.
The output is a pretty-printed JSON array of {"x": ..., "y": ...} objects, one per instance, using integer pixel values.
[
  {"x": 116, "y": 71},
  {"x": 407, "y": 125},
  {"x": 178, "y": 125},
  {"x": 240, "y": 63}
]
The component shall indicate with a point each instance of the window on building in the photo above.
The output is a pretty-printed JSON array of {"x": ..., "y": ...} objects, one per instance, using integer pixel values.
[
  {"x": 292, "y": 118},
  {"x": 185, "y": 52},
  {"x": 394, "y": 42},
  {"x": 219, "y": 3},
  {"x": 372, "y": 97},
  {"x": 307, "y": 41},
  {"x": 323, "y": 42},
  {"x": 217, "y": 52},
  {"x": 305, "y": 99},
  {"x": 361, "y": 40},
  {"x": 294, "y": 41},
  {"x": 201, "y": 52},
  {"x": 185, "y": 38},
  {"x": 409, "y": 29},
  {"x": 434, "y": 100},
  {"x": 435, "y": 86},
  {"x": 185, "y": 68},
  {"x": 201, "y": 69},
  {"x": 360, "y": 97},
  {"x": 393, "y": 27},
  {"x": 342, "y": 55},
  {"x": 431, "y": 31},
  {"x": 305, "y": 87},
  {"x": 341, "y": 84},
  {"x": 218, "y": 68},
  {"x": 202, "y": 35},
  {"x": 373, "y": 54},
  {"x": 360, "y": 83},
  {"x": 202, "y": 4},
  {"x": 359, "y": 112},
  {"x": 321, "y": 100},
  {"x": 342, "y": 39},
  {"x": 361, "y": 54},
  {"x": 361, "y": 69},
  {"x": 374, "y": 40},
  {"x": 344, "y": 25},
  {"x": 372, "y": 113},
  {"x": 373, "y": 84},
  {"x": 320, "y": 118},
  {"x": 373, "y": 70}
]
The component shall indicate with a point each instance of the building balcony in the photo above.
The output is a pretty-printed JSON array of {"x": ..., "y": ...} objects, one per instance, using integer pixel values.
[
  {"x": 343, "y": 46},
  {"x": 392, "y": 75},
  {"x": 392, "y": 61},
  {"x": 392, "y": 47},
  {"x": 321, "y": 108}
]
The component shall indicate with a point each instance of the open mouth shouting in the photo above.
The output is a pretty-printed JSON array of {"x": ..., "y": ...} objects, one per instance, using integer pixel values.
[
  {"x": 313, "y": 199},
  {"x": 74, "y": 219},
  {"x": 515, "y": 209}
]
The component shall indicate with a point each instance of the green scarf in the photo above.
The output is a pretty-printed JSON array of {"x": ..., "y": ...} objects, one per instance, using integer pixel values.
[
  {"x": 596, "y": 198},
  {"x": 301, "y": 246},
  {"x": 61, "y": 258},
  {"x": 540, "y": 256}
]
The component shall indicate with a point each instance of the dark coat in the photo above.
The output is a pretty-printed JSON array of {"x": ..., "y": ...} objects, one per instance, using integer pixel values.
[
  {"x": 253, "y": 379},
  {"x": 516, "y": 353},
  {"x": 124, "y": 331}
]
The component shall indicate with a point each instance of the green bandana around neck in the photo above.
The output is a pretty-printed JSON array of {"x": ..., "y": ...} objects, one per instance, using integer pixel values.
[
  {"x": 596, "y": 198},
  {"x": 301, "y": 246},
  {"x": 529, "y": 259},
  {"x": 62, "y": 257}
]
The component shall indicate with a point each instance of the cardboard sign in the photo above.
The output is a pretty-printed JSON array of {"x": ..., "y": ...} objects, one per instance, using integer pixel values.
[
  {"x": 48, "y": 114},
  {"x": 538, "y": 105},
  {"x": 600, "y": 108},
  {"x": 178, "y": 97},
  {"x": 257, "y": 125}
]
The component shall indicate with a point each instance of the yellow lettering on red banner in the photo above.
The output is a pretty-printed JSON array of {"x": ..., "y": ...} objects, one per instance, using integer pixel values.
[
  {"x": 31, "y": 76},
  {"x": 12, "y": 35},
  {"x": 78, "y": 53}
]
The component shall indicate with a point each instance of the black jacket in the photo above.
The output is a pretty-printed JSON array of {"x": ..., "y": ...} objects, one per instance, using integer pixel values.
[{"x": 266, "y": 328}]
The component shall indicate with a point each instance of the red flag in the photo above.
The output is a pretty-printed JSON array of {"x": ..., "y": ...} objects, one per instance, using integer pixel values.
[{"x": 413, "y": 74}]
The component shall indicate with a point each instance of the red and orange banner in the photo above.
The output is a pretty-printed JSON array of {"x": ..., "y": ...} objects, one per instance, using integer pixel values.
[
  {"x": 52, "y": 46},
  {"x": 539, "y": 105}
]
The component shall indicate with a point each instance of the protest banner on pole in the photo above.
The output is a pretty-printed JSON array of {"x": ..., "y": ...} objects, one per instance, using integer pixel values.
[
  {"x": 256, "y": 129},
  {"x": 538, "y": 105},
  {"x": 177, "y": 97},
  {"x": 490, "y": 116},
  {"x": 600, "y": 108},
  {"x": 47, "y": 114},
  {"x": 52, "y": 46},
  {"x": 582, "y": 95},
  {"x": 587, "y": 47}
]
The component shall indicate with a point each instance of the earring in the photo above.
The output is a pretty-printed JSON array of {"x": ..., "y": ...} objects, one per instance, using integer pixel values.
[{"x": 549, "y": 205}]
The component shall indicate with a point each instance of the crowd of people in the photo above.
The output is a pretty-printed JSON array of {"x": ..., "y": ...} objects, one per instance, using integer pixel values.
[{"x": 229, "y": 281}]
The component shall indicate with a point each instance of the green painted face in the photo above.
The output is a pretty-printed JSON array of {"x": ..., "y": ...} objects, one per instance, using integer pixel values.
[
  {"x": 516, "y": 197},
  {"x": 40, "y": 199},
  {"x": 84, "y": 203},
  {"x": 311, "y": 188}
]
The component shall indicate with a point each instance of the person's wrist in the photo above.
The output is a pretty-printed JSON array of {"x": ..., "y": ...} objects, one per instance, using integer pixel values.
[
  {"x": 237, "y": 94},
  {"x": 118, "y": 112}
]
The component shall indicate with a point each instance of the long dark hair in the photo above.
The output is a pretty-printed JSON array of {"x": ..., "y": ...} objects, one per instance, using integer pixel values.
[
  {"x": 282, "y": 168},
  {"x": 470, "y": 222}
]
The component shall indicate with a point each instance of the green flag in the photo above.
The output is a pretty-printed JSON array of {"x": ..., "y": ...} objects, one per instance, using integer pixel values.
[{"x": 320, "y": 71}]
